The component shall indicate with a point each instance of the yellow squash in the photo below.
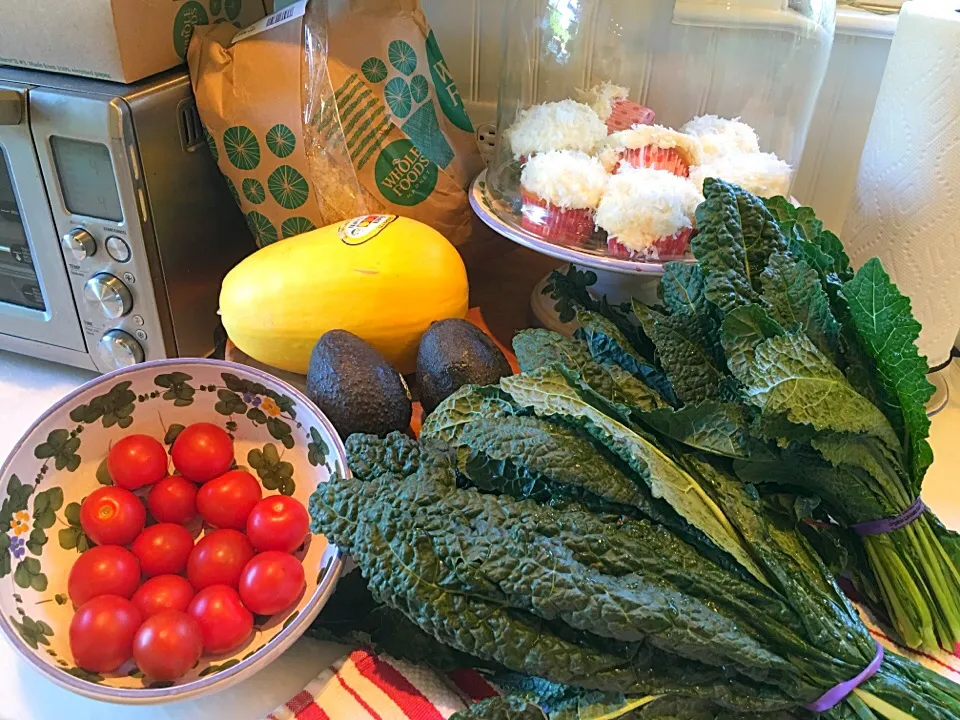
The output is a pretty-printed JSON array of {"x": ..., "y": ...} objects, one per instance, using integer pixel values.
[{"x": 383, "y": 278}]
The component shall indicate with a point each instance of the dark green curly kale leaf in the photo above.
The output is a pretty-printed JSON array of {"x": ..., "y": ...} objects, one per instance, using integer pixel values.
[
  {"x": 543, "y": 348},
  {"x": 737, "y": 235}
]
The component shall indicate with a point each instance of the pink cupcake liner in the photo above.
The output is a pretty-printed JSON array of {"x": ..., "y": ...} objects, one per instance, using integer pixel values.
[
  {"x": 656, "y": 158},
  {"x": 626, "y": 114},
  {"x": 558, "y": 225},
  {"x": 665, "y": 249}
]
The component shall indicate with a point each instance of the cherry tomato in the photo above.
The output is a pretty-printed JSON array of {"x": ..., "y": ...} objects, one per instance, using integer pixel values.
[
  {"x": 174, "y": 500},
  {"x": 136, "y": 461},
  {"x": 218, "y": 559},
  {"x": 224, "y": 622},
  {"x": 278, "y": 523},
  {"x": 167, "y": 645},
  {"x": 103, "y": 570},
  {"x": 112, "y": 516},
  {"x": 202, "y": 452},
  {"x": 226, "y": 501},
  {"x": 163, "y": 549},
  {"x": 101, "y": 633},
  {"x": 163, "y": 592},
  {"x": 271, "y": 582}
]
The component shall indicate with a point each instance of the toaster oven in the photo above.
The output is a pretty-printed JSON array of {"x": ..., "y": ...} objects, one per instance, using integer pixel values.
[{"x": 116, "y": 227}]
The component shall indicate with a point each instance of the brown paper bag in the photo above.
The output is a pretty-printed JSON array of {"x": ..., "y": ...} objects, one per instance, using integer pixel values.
[{"x": 386, "y": 130}]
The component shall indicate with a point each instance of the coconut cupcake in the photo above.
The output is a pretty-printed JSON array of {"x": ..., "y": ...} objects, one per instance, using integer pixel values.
[
  {"x": 648, "y": 214},
  {"x": 719, "y": 136},
  {"x": 614, "y": 106},
  {"x": 763, "y": 174},
  {"x": 564, "y": 125},
  {"x": 656, "y": 147},
  {"x": 560, "y": 191}
]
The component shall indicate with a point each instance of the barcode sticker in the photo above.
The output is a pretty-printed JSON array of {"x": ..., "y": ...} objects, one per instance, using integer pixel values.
[{"x": 297, "y": 10}]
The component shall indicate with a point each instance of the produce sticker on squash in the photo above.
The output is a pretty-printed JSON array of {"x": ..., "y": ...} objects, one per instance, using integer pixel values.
[{"x": 363, "y": 229}]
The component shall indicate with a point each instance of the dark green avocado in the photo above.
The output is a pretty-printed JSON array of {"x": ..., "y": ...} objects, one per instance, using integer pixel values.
[
  {"x": 356, "y": 388},
  {"x": 454, "y": 353}
]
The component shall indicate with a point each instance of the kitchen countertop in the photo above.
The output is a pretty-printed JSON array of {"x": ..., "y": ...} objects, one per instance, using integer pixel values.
[{"x": 29, "y": 386}]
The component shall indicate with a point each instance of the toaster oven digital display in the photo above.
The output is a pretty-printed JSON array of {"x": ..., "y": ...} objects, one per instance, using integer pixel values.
[
  {"x": 86, "y": 178},
  {"x": 19, "y": 284}
]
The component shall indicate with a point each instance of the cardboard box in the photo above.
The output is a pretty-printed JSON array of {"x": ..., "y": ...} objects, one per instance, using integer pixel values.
[{"x": 122, "y": 40}]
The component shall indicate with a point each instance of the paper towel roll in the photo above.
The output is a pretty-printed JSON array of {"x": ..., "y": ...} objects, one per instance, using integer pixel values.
[{"x": 906, "y": 204}]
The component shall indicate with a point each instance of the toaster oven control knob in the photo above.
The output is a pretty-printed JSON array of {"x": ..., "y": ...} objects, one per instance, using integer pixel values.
[
  {"x": 117, "y": 349},
  {"x": 79, "y": 243},
  {"x": 109, "y": 294}
]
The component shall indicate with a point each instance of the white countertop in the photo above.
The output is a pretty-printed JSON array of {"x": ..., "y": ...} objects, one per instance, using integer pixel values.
[{"x": 29, "y": 386}]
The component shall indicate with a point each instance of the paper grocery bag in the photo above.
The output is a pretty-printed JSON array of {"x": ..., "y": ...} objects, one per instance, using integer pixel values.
[
  {"x": 382, "y": 136},
  {"x": 379, "y": 98},
  {"x": 248, "y": 96}
]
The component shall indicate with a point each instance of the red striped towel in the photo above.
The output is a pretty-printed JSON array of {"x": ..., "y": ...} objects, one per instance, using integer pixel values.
[{"x": 364, "y": 686}]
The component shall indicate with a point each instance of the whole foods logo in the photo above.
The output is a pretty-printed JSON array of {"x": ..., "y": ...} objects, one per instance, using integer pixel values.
[
  {"x": 363, "y": 229},
  {"x": 189, "y": 16},
  {"x": 404, "y": 175}
]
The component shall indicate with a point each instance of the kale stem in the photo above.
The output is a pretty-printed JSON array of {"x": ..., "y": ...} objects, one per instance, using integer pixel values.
[
  {"x": 944, "y": 593},
  {"x": 908, "y": 618},
  {"x": 881, "y": 706}
]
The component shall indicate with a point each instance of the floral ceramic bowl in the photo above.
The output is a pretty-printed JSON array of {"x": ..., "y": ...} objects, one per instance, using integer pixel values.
[{"x": 278, "y": 435}]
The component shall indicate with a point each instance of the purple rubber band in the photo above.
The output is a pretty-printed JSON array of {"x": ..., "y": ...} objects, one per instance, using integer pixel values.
[
  {"x": 888, "y": 525},
  {"x": 837, "y": 694}
]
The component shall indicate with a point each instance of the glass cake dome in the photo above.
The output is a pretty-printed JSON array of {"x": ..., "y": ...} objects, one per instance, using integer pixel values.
[{"x": 612, "y": 112}]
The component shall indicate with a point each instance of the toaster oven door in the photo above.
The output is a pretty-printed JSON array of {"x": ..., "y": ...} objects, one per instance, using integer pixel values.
[{"x": 36, "y": 302}]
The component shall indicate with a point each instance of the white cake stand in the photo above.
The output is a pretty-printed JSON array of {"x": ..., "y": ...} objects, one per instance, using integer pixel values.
[{"x": 620, "y": 280}]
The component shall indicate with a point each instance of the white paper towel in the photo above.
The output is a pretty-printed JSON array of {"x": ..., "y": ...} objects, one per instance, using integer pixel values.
[{"x": 906, "y": 204}]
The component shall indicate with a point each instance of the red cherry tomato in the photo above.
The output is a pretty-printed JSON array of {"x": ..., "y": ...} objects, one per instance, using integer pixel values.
[
  {"x": 101, "y": 633},
  {"x": 136, "y": 461},
  {"x": 163, "y": 549},
  {"x": 224, "y": 622},
  {"x": 202, "y": 452},
  {"x": 112, "y": 516},
  {"x": 103, "y": 570},
  {"x": 218, "y": 559},
  {"x": 174, "y": 500},
  {"x": 167, "y": 645},
  {"x": 226, "y": 501},
  {"x": 278, "y": 523},
  {"x": 163, "y": 592},
  {"x": 271, "y": 582}
]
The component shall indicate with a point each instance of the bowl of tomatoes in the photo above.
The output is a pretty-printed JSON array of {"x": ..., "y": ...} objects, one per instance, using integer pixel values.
[{"x": 154, "y": 538}]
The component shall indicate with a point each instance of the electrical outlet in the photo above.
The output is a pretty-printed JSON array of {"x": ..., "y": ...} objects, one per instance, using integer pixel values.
[{"x": 487, "y": 141}]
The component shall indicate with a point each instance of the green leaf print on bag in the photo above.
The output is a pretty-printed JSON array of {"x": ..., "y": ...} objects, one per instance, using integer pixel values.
[
  {"x": 288, "y": 187},
  {"x": 397, "y": 95},
  {"x": 263, "y": 230},
  {"x": 233, "y": 8},
  {"x": 374, "y": 70},
  {"x": 296, "y": 226},
  {"x": 253, "y": 191},
  {"x": 419, "y": 88},
  {"x": 410, "y": 101},
  {"x": 212, "y": 144},
  {"x": 216, "y": 6},
  {"x": 402, "y": 56},
  {"x": 242, "y": 147},
  {"x": 449, "y": 97},
  {"x": 281, "y": 140}
]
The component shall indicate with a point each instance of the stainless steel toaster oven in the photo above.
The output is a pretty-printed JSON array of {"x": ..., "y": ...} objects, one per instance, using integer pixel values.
[{"x": 116, "y": 227}]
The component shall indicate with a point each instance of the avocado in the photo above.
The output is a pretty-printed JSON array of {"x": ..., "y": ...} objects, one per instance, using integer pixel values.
[
  {"x": 454, "y": 353},
  {"x": 356, "y": 388}
]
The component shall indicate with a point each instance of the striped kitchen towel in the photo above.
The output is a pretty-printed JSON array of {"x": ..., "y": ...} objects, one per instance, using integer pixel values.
[{"x": 365, "y": 686}]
